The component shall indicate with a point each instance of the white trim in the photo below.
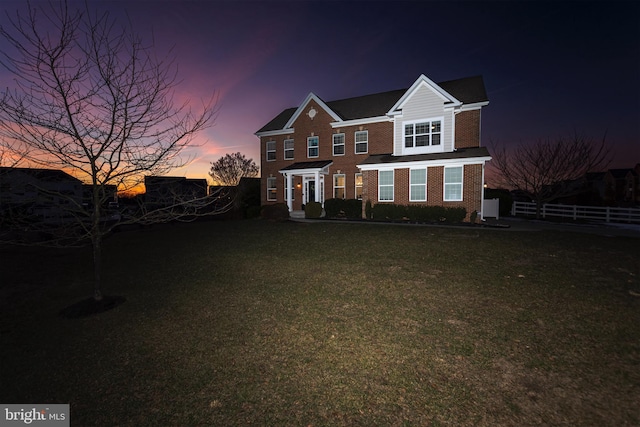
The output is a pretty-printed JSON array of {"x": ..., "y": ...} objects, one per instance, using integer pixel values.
[
  {"x": 344, "y": 187},
  {"x": 450, "y": 100},
  {"x": 474, "y": 106},
  {"x": 393, "y": 185},
  {"x": 303, "y": 107},
  {"x": 275, "y": 188},
  {"x": 333, "y": 144},
  {"x": 317, "y": 147},
  {"x": 426, "y": 180},
  {"x": 444, "y": 184},
  {"x": 355, "y": 185},
  {"x": 425, "y": 149},
  {"x": 274, "y": 151},
  {"x": 292, "y": 149},
  {"x": 426, "y": 163},
  {"x": 275, "y": 132},
  {"x": 355, "y": 142},
  {"x": 365, "y": 121}
]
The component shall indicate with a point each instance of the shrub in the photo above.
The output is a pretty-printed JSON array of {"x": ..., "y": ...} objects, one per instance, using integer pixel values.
[
  {"x": 352, "y": 208},
  {"x": 333, "y": 207},
  {"x": 418, "y": 213},
  {"x": 276, "y": 212},
  {"x": 368, "y": 210},
  {"x": 313, "y": 210}
]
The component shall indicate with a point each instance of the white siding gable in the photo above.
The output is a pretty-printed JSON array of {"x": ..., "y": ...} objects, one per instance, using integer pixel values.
[{"x": 424, "y": 104}]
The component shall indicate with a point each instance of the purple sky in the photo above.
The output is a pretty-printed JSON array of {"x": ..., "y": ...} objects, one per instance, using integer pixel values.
[{"x": 550, "y": 68}]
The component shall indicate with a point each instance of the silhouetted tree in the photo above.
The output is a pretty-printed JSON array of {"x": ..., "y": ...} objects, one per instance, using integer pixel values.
[
  {"x": 547, "y": 169},
  {"x": 92, "y": 98},
  {"x": 228, "y": 170}
]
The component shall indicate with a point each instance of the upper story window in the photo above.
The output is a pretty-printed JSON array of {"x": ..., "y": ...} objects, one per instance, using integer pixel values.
[
  {"x": 453, "y": 183},
  {"x": 288, "y": 149},
  {"x": 362, "y": 141},
  {"x": 338, "y": 144},
  {"x": 423, "y": 133},
  {"x": 313, "y": 146},
  {"x": 271, "y": 151}
]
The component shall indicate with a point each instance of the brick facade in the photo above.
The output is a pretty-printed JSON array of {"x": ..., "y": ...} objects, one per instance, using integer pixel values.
[{"x": 380, "y": 132}]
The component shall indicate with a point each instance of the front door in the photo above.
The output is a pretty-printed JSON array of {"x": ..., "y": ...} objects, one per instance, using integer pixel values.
[{"x": 310, "y": 190}]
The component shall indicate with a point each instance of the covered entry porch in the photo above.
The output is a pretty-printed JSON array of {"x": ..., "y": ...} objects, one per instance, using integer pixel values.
[{"x": 309, "y": 183}]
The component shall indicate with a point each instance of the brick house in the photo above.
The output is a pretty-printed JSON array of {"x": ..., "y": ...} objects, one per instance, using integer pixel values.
[{"x": 419, "y": 145}]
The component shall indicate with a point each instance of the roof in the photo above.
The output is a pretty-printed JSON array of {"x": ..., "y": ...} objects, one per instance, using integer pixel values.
[
  {"x": 318, "y": 164},
  {"x": 468, "y": 90},
  {"x": 49, "y": 175},
  {"x": 460, "y": 153}
]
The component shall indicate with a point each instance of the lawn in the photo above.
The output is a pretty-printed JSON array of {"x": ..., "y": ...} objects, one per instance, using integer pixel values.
[{"x": 342, "y": 324}]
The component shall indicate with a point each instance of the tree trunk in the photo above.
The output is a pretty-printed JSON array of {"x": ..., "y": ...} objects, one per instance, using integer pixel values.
[{"x": 96, "y": 242}]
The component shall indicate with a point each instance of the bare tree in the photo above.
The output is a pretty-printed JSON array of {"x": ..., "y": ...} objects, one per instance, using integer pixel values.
[
  {"x": 228, "y": 170},
  {"x": 91, "y": 98},
  {"x": 548, "y": 169}
]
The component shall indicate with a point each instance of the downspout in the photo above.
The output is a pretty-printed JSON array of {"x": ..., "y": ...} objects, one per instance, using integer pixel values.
[{"x": 482, "y": 194}]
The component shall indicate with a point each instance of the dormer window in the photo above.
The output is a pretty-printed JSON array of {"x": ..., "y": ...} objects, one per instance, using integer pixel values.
[{"x": 423, "y": 134}]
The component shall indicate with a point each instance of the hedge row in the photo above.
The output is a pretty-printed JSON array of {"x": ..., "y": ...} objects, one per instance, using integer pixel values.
[
  {"x": 343, "y": 208},
  {"x": 420, "y": 213}
]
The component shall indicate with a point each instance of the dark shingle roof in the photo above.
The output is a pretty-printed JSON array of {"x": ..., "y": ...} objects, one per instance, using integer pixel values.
[
  {"x": 467, "y": 90},
  {"x": 317, "y": 164},
  {"x": 49, "y": 175},
  {"x": 460, "y": 153}
]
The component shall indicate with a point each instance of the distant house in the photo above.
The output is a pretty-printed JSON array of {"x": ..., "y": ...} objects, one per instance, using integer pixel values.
[
  {"x": 165, "y": 191},
  {"x": 622, "y": 186},
  {"x": 45, "y": 195},
  {"x": 414, "y": 146}
]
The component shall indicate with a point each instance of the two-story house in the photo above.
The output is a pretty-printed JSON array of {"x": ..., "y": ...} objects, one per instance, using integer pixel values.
[{"x": 419, "y": 145}]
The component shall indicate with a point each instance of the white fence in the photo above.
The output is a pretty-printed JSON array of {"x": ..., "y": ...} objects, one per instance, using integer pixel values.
[{"x": 608, "y": 214}]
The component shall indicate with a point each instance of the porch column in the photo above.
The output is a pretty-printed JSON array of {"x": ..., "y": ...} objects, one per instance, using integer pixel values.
[
  {"x": 317, "y": 178},
  {"x": 288, "y": 191}
]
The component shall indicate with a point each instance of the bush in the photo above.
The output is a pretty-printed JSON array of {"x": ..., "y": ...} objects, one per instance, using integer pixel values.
[
  {"x": 368, "y": 210},
  {"x": 420, "y": 213},
  {"x": 313, "y": 210},
  {"x": 276, "y": 212},
  {"x": 353, "y": 208},
  {"x": 333, "y": 207}
]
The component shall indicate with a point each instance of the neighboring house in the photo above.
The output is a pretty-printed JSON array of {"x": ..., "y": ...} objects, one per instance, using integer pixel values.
[
  {"x": 419, "y": 145},
  {"x": 622, "y": 186},
  {"x": 46, "y": 195},
  {"x": 165, "y": 191}
]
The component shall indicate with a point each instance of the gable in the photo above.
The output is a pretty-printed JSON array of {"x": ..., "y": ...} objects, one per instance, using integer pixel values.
[
  {"x": 461, "y": 92},
  {"x": 425, "y": 88}
]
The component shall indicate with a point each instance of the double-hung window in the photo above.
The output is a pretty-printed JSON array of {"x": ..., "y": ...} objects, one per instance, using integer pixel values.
[
  {"x": 339, "y": 186},
  {"x": 359, "y": 186},
  {"x": 362, "y": 141},
  {"x": 425, "y": 133},
  {"x": 288, "y": 149},
  {"x": 453, "y": 183},
  {"x": 313, "y": 146},
  {"x": 418, "y": 185},
  {"x": 338, "y": 144},
  {"x": 271, "y": 188},
  {"x": 385, "y": 186},
  {"x": 271, "y": 151}
]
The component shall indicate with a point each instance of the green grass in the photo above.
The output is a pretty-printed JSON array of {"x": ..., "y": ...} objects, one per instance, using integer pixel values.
[{"x": 262, "y": 323}]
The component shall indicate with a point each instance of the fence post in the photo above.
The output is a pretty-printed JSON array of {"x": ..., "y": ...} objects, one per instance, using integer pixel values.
[
  {"x": 575, "y": 212},
  {"x": 608, "y": 219}
]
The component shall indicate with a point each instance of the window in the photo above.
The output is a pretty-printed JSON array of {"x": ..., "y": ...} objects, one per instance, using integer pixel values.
[
  {"x": 359, "y": 186},
  {"x": 453, "y": 183},
  {"x": 338, "y": 186},
  {"x": 338, "y": 144},
  {"x": 313, "y": 144},
  {"x": 288, "y": 149},
  {"x": 362, "y": 141},
  {"x": 417, "y": 185},
  {"x": 271, "y": 151},
  {"x": 385, "y": 186},
  {"x": 271, "y": 188},
  {"x": 422, "y": 134}
]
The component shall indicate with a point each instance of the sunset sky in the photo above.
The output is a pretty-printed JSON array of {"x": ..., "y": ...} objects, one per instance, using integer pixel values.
[{"x": 550, "y": 68}]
